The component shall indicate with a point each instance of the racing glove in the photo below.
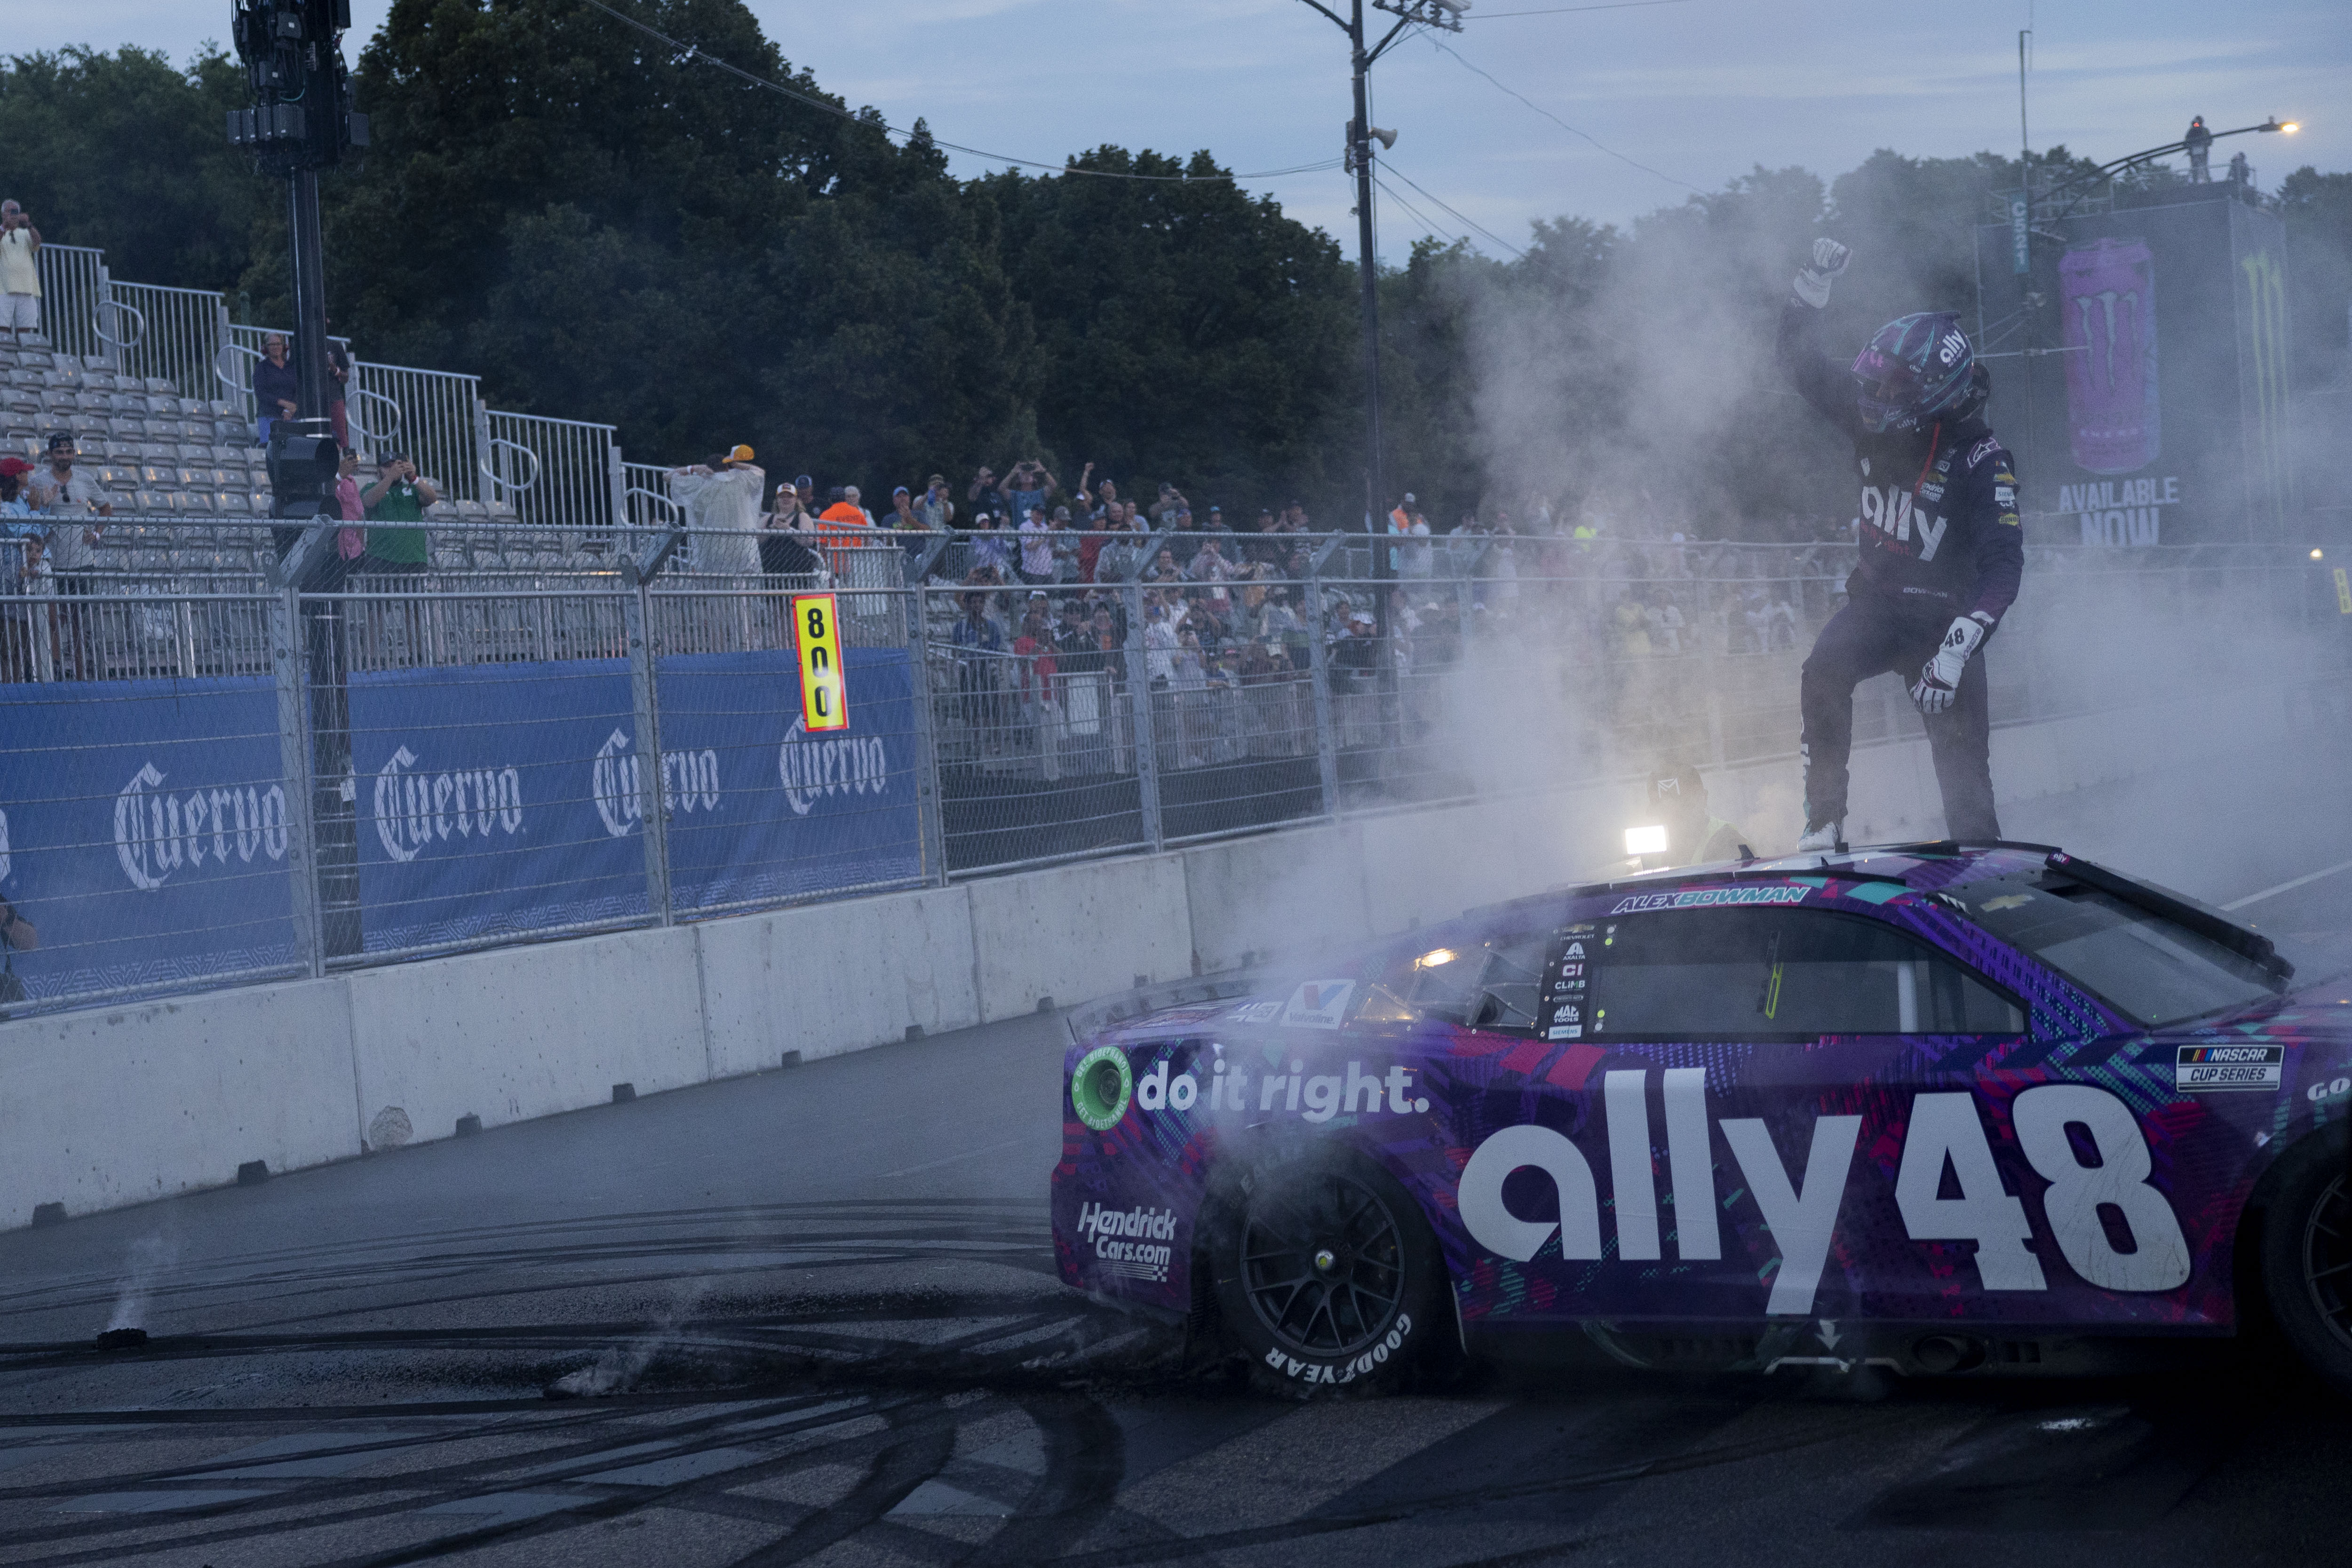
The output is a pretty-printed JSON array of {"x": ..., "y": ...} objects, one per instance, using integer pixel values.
[
  {"x": 1812, "y": 284},
  {"x": 1939, "y": 677}
]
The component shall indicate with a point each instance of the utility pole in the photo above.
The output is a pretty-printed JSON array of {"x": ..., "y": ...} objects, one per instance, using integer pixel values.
[
  {"x": 1360, "y": 134},
  {"x": 301, "y": 122}
]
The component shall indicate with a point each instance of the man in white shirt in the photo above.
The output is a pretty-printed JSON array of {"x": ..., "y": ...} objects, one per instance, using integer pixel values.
[{"x": 20, "y": 280}]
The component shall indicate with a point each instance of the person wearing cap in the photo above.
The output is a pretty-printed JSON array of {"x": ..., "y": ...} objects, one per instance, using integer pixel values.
[
  {"x": 1695, "y": 835},
  {"x": 934, "y": 508},
  {"x": 721, "y": 499},
  {"x": 783, "y": 547},
  {"x": 1065, "y": 540}
]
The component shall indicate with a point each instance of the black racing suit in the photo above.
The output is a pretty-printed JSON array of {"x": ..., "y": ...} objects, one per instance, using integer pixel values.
[{"x": 1940, "y": 539}]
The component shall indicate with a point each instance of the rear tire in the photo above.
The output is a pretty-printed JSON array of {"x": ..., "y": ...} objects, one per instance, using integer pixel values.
[
  {"x": 2307, "y": 1259},
  {"x": 1327, "y": 1279}
]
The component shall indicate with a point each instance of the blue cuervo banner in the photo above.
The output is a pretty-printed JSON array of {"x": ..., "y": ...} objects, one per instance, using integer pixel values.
[
  {"x": 143, "y": 830},
  {"x": 510, "y": 798},
  {"x": 143, "y": 825}
]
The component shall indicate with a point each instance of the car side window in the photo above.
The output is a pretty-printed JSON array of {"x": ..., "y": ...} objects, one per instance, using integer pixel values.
[
  {"x": 1781, "y": 973},
  {"x": 1492, "y": 986}
]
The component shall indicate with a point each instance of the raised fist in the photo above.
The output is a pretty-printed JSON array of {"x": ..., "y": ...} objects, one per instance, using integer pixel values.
[{"x": 1812, "y": 284}]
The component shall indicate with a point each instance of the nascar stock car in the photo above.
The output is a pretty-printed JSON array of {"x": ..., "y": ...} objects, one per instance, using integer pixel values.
[{"x": 1936, "y": 1108}]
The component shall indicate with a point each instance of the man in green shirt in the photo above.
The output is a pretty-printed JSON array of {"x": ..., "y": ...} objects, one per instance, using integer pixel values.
[{"x": 398, "y": 497}]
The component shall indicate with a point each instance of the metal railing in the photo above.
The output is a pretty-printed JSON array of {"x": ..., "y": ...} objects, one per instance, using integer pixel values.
[
  {"x": 73, "y": 289},
  {"x": 556, "y": 474},
  {"x": 171, "y": 335},
  {"x": 455, "y": 755}
]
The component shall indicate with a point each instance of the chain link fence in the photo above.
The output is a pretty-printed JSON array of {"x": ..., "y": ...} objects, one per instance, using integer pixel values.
[{"x": 206, "y": 779}]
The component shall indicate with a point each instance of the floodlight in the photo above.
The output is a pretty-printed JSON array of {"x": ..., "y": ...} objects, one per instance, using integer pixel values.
[{"x": 1650, "y": 840}]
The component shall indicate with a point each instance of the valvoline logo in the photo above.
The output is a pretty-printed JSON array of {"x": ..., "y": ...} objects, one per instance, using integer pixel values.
[{"x": 1318, "y": 1004}]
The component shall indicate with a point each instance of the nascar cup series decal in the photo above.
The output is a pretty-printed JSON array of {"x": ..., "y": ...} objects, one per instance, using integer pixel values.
[
  {"x": 1800, "y": 1204},
  {"x": 2206, "y": 1069},
  {"x": 1134, "y": 1244}
]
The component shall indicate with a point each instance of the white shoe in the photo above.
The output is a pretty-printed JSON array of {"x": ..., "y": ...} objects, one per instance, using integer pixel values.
[{"x": 1821, "y": 840}]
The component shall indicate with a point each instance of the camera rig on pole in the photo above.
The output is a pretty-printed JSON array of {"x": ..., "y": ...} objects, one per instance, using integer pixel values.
[{"x": 302, "y": 121}]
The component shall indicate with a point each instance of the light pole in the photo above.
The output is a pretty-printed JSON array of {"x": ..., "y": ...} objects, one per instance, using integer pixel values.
[
  {"x": 2106, "y": 171},
  {"x": 1361, "y": 133}
]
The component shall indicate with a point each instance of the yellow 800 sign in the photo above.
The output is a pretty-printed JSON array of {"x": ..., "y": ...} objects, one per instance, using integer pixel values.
[{"x": 825, "y": 688}]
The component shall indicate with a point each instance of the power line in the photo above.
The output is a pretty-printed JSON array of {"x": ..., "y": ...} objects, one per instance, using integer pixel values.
[
  {"x": 1441, "y": 206},
  {"x": 1444, "y": 234},
  {"x": 694, "y": 54},
  {"x": 1548, "y": 115},
  {"x": 1567, "y": 10}
]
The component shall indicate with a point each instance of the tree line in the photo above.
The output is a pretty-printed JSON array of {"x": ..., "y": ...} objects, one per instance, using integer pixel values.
[{"x": 603, "y": 232}]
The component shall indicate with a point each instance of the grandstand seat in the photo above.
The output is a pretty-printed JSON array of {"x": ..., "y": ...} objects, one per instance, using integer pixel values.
[
  {"x": 147, "y": 503},
  {"x": 233, "y": 430},
  {"x": 19, "y": 398},
  {"x": 232, "y": 503},
  {"x": 198, "y": 502}
]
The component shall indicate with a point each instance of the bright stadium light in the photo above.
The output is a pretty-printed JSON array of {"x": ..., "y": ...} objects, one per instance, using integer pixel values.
[
  {"x": 1435, "y": 956},
  {"x": 1650, "y": 840}
]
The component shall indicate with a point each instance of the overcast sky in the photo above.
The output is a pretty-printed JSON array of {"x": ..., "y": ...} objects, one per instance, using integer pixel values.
[{"x": 1698, "y": 90}]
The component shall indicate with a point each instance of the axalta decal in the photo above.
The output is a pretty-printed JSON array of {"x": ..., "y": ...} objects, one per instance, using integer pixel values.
[
  {"x": 690, "y": 781},
  {"x": 414, "y": 809},
  {"x": 1135, "y": 1244},
  {"x": 811, "y": 769},
  {"x": 1708, "y": 898},
  {"x": 1800, "y": 1200},
  {"x": 160, "y": 830},
  {"x": 1310, "y": 1097}
]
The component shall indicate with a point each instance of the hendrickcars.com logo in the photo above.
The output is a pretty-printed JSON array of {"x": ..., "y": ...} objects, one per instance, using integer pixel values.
[{"x": 1132, "y": 1243}]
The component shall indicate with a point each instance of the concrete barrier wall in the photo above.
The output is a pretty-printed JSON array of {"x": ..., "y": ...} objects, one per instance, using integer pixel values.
[{"x": 116, "y": 1106}]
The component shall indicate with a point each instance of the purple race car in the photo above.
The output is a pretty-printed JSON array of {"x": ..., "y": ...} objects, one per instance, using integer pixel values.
[{"x": 1934, "y": 1107}]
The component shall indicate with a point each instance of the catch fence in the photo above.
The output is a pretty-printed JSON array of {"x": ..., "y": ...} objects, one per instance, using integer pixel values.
[{"x": 206, "y": 779}]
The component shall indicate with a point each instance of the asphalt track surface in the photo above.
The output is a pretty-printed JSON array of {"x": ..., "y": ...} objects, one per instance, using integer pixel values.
[{"x": 812, "y": 1318}]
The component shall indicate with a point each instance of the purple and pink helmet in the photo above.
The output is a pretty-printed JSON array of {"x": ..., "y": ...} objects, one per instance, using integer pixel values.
[{"x": 1915, "y": 368}]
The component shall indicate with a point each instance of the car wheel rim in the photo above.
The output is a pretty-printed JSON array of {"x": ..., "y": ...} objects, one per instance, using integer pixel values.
[
  {"x": 1323, "y": 1264},
  {"x": 2327, "y": 1258}
]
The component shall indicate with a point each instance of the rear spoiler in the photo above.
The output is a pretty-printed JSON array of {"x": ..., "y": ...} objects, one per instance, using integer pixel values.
[
  {"x": 2202, "y": 919},
  {"x": 1096, "y": 1017}
]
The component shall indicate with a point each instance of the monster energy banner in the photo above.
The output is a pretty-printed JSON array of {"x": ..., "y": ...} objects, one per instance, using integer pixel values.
[{"x": 2139, "y": 372}]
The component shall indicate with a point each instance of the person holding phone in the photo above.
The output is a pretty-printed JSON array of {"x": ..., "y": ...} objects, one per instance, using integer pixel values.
[
  {"x": 396, "y": 545},
  {"x": 20, "y": 280}
]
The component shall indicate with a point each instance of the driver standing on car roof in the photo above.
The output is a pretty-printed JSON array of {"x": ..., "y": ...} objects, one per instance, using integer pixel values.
[{"x": 1942, "y": 552}]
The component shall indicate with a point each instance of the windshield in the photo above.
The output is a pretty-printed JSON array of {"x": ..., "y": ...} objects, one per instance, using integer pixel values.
[
  {"x": 2149, "y": 968},
  {"x": 1490, "y": 987}
]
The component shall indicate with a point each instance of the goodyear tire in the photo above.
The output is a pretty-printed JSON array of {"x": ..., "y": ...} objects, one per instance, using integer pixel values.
[
  {"x": 2307, "y": 1259},
  {"x": 1327, "y": 1279}
]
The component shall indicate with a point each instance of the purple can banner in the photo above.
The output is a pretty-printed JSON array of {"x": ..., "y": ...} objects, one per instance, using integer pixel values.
[{"x": 2108, "y": 325}]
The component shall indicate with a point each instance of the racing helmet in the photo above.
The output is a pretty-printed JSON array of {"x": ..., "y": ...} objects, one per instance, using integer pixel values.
[{"x": 1915, "y": 368}]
